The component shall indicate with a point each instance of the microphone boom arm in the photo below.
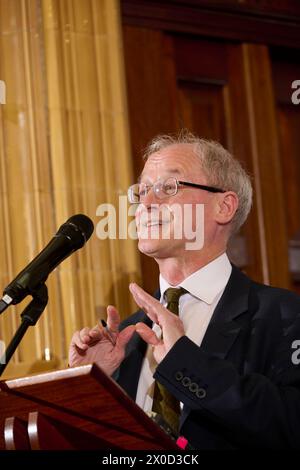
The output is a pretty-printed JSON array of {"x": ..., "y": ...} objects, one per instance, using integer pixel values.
[{"x": 30, "y": 316}]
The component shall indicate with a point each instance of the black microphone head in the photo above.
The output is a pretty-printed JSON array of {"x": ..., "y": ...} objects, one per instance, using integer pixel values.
[
  {"x": 78, "y": 229},
  {"x": 70, "y": 236}
]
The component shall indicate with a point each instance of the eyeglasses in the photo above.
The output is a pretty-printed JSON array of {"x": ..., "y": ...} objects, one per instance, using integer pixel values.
[{"x": 163, "y": 189}]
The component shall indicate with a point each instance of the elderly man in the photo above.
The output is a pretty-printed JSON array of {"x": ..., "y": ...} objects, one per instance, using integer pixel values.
[{"x": 212, "y": 345}]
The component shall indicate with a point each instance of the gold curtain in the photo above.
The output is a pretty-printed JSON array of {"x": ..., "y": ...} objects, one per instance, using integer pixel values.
[{"x": 64, "y": 149}]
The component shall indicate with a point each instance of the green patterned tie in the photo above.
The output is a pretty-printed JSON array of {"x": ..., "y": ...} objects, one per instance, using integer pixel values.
[{"x": 164, "y": 403}]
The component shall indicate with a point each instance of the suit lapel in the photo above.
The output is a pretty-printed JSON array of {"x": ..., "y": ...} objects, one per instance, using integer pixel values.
[
  {"x": 129, "y": 372},
  {"x": 225, "y": 326},
  {"x": 130, "y": 368}
]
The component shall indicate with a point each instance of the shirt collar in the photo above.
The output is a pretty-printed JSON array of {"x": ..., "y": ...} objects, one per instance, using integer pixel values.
[{"x": 206, "y": 283}]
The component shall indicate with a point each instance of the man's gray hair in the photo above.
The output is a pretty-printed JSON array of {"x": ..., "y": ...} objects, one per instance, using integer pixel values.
[{"x": 219, "y": 166}]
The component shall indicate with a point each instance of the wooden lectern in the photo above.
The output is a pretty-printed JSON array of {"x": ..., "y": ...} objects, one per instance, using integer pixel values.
[{"x": 79, "y": 408}]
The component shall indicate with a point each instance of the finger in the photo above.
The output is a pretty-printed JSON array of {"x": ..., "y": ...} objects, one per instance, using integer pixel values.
[
  {"x": 84, "y": 335},
  {"x": 146, "y": 302},
  {"x": 97, "y": 332},
  {"x": 113, "y": 319},
  {"x": 76, "y": 341},
  {"x": 142, "y": 295},
  {"x": 91, "y": 336},
  {"x": 147, "y": 334},
  {"x": 125, "y": 336}
]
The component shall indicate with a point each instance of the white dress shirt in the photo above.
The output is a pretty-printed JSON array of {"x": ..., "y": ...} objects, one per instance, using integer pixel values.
[{"x": 196, "y": 308}]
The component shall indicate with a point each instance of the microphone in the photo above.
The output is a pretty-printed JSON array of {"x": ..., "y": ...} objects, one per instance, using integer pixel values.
[{"x": 71, "y": 236}]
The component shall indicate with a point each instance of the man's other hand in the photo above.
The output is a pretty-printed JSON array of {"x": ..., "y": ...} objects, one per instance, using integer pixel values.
[{"x": 96, "y": 345}]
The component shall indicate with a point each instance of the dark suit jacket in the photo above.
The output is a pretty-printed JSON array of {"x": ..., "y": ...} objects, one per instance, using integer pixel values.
[{"x": 240, "y": 389}]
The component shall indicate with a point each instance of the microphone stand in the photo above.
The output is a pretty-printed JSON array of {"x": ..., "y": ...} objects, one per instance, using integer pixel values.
[{"x": 29, "y": 316}]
